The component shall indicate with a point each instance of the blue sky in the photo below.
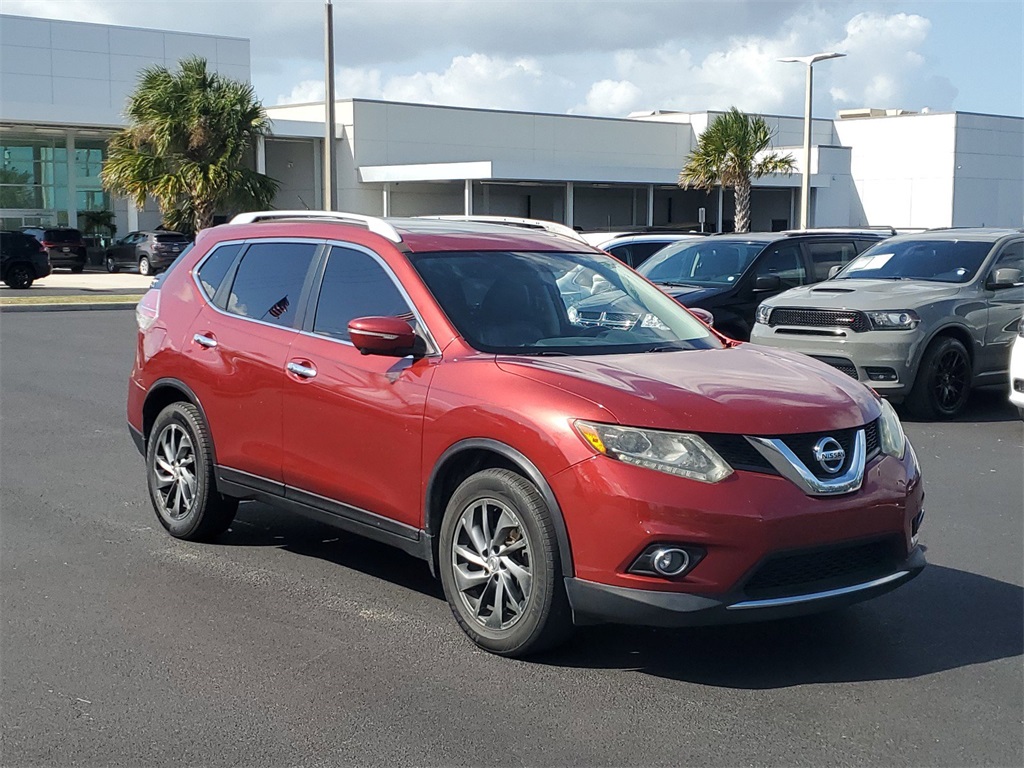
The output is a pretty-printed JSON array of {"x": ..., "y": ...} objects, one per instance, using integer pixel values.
[{"x": 612, "y": 57}]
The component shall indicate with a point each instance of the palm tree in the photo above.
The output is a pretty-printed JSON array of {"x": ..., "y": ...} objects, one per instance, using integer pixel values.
[
  {"x": 731, "y": 152},
  {"x": 189, "y": 136}
]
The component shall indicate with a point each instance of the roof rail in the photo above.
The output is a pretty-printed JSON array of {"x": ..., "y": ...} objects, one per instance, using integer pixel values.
[
  {"x": 841, "y": 230},
  {"x": 372, "y": 223},
  {"x": 515, "y": 221}
]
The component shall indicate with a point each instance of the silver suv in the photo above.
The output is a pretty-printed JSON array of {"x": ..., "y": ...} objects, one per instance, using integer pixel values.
[{"x": 920, "y": 318}]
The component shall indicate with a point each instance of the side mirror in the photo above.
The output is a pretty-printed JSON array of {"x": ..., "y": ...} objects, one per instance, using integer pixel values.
[
  {"x": 1006, "y": 277},
  {"x": 768, "y": 283},
  {"x": 834, "y": 270},
  {"x": 703, "y": 315},
  {"x": 389, "y": 336}
]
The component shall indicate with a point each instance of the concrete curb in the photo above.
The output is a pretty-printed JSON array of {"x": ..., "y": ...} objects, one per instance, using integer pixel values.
[{"x": 4, "y": 308}]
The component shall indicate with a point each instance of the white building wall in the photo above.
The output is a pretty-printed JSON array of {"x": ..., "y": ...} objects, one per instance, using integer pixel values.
[
  {"x": 902, "y": 168},
  {"x": 989, "y": 171},
  {"x": 75, "y": 73}
]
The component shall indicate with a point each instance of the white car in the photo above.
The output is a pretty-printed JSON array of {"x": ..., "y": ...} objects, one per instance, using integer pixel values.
[
  {"x": 1017, "y": 370},
  {"x": 634, "y": 249}
]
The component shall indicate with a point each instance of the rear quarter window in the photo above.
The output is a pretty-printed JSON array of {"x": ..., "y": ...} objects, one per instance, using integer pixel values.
[{"x": 211, "y": 273}]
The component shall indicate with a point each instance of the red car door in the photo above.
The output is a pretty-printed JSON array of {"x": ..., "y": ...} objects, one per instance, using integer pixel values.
[
  {"x": 353, "y": 423},
  {"x": 239, "y": 345}
]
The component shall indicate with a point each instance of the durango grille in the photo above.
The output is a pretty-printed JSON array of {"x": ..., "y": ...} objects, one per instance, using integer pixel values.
[
  {"x": 840, "y": 364},
  {"x": 820, "y": 318},
  {"x": 822, "y": 569}
]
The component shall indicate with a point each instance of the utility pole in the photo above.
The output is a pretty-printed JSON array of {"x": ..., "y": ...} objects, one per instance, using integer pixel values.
[{"x": 329, "y": 174}]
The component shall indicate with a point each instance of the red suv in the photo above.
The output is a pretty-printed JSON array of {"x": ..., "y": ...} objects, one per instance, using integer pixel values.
[{"x": 421, "y": 382}]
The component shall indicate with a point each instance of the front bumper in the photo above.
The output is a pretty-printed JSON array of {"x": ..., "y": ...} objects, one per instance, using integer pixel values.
[
  {"x": 593, "y": 602},
  {"x": 891, "y": 352}
]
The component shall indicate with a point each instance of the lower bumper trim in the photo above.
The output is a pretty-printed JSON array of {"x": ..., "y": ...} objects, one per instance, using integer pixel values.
[{"x": 796, "y": 599}]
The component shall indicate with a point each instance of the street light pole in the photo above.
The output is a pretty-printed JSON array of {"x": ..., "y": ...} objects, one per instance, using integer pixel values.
[
  {"x": 805, "y": 181},
  {"x": 329, "y": 174}
]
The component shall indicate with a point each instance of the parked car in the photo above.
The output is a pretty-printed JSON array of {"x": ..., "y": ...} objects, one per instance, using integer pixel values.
[
  {"x": 149, "y": 252},
  {"x": 23, "y": 259},
  {"x": 64, "y": 245},
  {"x": 635, "y": 249},
  {"x": 1017, "y": 369},
  {"x": 420, "y": 382},
  {"x": 729, "y": 275},
  {"x": 922, "y": 318}
]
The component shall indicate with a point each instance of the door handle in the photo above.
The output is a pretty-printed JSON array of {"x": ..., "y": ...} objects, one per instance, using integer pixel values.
[
  {"x": 205, "y": 341},
  {"x": 303, "y": 371}
]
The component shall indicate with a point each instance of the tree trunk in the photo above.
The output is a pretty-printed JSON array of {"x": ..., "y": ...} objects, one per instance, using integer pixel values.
[
  {"x": 742, "y": 195},
  {"x": 203, "y": 213}
]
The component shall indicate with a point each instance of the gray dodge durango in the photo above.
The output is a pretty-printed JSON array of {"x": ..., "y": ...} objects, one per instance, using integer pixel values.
[{"x": 920, "y": 318}]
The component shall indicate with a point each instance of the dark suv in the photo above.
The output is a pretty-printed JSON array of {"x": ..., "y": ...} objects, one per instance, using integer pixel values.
[
  {"x": 150, "y": 252},
  {"x": 729, "y": 275},
  {"x": 421, "y": 382},
  {"x": 23, "y": 260},
  {"x": 64, "y": 245}
]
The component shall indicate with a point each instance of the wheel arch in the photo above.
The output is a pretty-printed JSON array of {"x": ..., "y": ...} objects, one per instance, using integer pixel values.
[
  {"x": 470, "y": 456},
  {"x": 952, "y": 330},
  {"x": 163, "y": 393}
]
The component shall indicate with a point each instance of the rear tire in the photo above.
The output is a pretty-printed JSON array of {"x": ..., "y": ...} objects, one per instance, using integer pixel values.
[
  {"x": 943, "y": 382},
  {"x": 19, "y": 276},
  {"x": 500, "y": 567},
  {"x": 78, "y": 268},
  {"x": 179, "y": 470},
  {"x": 145, "y": 268}
]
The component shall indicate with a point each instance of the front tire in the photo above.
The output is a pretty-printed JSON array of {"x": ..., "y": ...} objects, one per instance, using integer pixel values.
[
  {"x": 19, "y": 276},
  {"x": 943, "y": 381},
  {"x": 112, "y": 265},
  {"x": 179, "y": 469},
  {"x": 500, "y": 567},
  {"x": 145, "y": 268}
]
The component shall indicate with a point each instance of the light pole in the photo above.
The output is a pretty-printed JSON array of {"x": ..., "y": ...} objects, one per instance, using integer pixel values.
[
  {"x": 329, "y": 106},
  {"x": 805, "y": 182}
]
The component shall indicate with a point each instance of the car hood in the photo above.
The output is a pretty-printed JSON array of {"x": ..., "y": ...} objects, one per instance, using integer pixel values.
[
  {"x": 866, "y": 294},
  {"x": 614, "y": 300},
  {"x": 742, "y": 389},
  {"x": 695, "y": 295}
]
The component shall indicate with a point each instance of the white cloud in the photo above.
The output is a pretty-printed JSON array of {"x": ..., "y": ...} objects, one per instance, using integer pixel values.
[{"x": 612, "y": 97}]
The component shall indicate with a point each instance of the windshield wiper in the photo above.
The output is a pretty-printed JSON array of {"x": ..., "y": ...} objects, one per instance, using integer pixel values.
[
  {"x": 665, "y": 348},
  {"x": 673, "y": 284}
]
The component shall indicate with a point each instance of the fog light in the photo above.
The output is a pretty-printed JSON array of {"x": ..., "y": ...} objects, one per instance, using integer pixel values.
[
  {"x": 880, "y": 374},
  {"x": 667, "y": 560},
  {"x": 670, "y": 562}
]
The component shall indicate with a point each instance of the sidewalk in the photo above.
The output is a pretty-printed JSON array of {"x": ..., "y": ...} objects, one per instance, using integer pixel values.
[{"x": 92, "y": 289}]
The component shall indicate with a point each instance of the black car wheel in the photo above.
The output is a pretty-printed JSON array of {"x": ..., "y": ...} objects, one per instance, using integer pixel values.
[
  {"x": 112, "y": 265},
  {"x": 500, "y": 566},
  {"x": 78, "y": 268},
  {"x": 943, "y": 381},
  {"x": 182, "y": 485},
  {"x": 145, "y": 268},
  {"x": 19, "y": 276}
]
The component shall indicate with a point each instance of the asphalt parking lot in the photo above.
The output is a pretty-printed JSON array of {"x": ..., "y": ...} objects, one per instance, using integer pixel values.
[{"x": 289, "y": 643}]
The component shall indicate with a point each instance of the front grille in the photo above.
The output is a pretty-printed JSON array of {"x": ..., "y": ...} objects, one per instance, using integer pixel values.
[
  {"x": 872, "y": 444},
  {"x": 840, "y": 364},
  {"x": 803, "y": 447},
  {"x": 822, "y": 569},
  {"x": 739, "y": 453},
  {"x": 622, "y": 321},
  {"x": 820, "y": 318}
]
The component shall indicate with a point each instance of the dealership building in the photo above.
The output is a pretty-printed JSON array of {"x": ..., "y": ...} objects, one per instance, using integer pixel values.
[{"x": 63, "y": 87}]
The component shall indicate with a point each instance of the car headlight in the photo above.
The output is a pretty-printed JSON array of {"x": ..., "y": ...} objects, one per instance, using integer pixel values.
[
  {"x": 676, "y": 453},
  {"x": 894, "y": 320},
  {"x": 573, "y": 314},
  {"x": 890, "y": 432},
  {"x": 763, "y": 314}
]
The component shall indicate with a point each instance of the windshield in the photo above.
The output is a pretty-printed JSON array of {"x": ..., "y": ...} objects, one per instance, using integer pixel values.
[
  {"x": 515, "y": 302},
  {"x": 709, "y": 262},
  {"x": 944, "y": 261}
]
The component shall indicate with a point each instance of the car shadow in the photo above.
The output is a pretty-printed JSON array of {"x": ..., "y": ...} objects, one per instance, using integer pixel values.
[
  {"x": 259, "y": 525},
  {"x": 945, "y": 619},
  {"x": 985, "y": 405}
]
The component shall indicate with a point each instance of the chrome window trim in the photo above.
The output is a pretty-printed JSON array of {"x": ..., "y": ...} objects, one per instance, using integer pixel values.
[
  {"x": 778, "y": 454},
  {"x": 779, "y": 602}
]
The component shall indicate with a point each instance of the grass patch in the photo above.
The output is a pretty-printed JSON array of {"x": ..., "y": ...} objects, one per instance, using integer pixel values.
[{"x": 6, "y": 301}]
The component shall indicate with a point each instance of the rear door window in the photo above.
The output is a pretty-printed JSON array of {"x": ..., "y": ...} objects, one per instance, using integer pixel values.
[
  {"x": 824, "y": 256},
  {"x": 356, "y": 285},
  {"x": 269, "y": 281}
]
